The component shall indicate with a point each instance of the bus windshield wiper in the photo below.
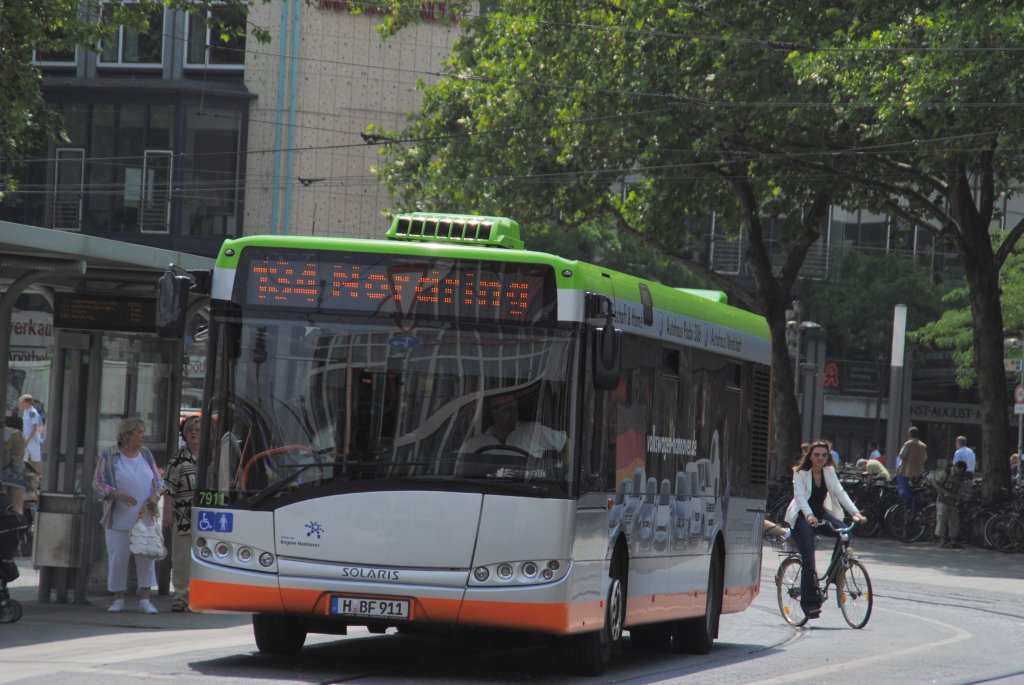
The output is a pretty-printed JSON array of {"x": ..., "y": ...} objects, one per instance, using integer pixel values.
[{"x": 279, "y": 485}]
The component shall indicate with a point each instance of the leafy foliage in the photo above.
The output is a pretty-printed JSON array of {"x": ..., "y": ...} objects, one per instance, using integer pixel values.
[
  {"x": 855, "y": 302},
  {"x": 953, "y": 329}
]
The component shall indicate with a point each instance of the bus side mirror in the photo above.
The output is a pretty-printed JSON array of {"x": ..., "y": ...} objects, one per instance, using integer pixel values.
[
  {"x": 172, "y": 304},
  {"x": 607, "y": 351}
]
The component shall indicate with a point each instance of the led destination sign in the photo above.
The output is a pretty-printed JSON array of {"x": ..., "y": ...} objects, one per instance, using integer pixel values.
[{"x": 400, "y": 286}]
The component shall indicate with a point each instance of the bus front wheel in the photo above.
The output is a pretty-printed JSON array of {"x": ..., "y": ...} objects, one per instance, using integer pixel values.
[
  {"x": 281, "y": 635},
  {"x": 589, "y": 653}
]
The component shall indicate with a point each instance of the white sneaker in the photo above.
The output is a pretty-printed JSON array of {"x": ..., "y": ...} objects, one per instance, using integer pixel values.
[
  {"x": 117, "y": 607},
  {"x": 146, "y": 607}
]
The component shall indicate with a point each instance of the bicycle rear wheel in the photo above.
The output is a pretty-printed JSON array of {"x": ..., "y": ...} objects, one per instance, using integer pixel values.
[
  {"x": 853, "y": 592},
  {"x": 787, "y": 584},
  {"x": 1005, "y": 532},
  {"x": 903, "y": 523}
]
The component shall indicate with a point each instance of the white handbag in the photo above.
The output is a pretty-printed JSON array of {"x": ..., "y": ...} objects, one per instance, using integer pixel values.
[{"x": 146, "y": 538}]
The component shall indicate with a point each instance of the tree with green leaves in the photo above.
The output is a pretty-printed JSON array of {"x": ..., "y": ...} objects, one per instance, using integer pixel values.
[
  {"x": 648, "y": 112},
  {"x": 647, "y": 115},
  {"x": 29, "y": 27},
  {"x": 934, "y": 90}
]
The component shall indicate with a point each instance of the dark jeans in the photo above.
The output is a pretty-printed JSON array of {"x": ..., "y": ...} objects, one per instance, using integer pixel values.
[{"x": 803, "y": 536}]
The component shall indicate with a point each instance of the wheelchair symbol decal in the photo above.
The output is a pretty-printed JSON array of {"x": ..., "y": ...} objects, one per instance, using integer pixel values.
[{"x": 218, "y": 521}]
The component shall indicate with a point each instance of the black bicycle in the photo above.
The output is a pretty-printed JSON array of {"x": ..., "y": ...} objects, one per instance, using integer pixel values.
[{"x": 851, "y": 580}]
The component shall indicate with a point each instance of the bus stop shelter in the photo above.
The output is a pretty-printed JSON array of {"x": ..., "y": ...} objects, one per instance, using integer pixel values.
[{"x": 107, "y": 364}]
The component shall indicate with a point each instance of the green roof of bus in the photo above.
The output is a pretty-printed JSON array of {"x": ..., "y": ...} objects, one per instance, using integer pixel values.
[{"x": 705, "y": 305}]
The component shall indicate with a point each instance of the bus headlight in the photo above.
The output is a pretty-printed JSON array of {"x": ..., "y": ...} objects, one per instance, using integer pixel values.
[
  {"x": 230, "y": 553},
  {"x": 529, "y": 572}
]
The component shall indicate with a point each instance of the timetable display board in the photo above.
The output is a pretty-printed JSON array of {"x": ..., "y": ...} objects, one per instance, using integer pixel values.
[
  {"x": 104, "y": 313},
  {"x": 401, "y": 286}
]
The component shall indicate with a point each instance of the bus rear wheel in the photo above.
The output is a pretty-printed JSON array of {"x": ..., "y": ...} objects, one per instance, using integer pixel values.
[
  {"x": 281, "y": 635},
  {"x": 697, "y": 635}
]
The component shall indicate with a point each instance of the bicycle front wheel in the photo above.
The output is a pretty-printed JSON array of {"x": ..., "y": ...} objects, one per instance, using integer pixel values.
[
  {"x": 787, "y": 583},
  {"x": 853, "y": 592}
]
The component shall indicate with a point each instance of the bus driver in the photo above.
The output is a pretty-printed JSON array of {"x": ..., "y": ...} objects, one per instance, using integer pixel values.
[{"x": 531, "y": 437}]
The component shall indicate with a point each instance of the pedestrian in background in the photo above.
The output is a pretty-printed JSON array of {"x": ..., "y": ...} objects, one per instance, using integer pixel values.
[
  {"x": 964, "y": 454},
  {"x": 13, "y": 476},
  {"x": 912, "y": 455},
  {"x": 31, "y": 428},
  {"x": 875, "y": 453},
  {"x": 127, "y": 478},
  {"x": 180, "y": 483},
  {"x": 947, "y": 515},
  {"x": 873, "y": 469}
]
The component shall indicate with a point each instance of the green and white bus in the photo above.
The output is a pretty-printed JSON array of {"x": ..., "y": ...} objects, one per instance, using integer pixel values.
[{"x": 445, "y": 429}]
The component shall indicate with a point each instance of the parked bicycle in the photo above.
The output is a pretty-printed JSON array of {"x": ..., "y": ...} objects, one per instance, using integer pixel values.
[{"x": 845, "y": 572}]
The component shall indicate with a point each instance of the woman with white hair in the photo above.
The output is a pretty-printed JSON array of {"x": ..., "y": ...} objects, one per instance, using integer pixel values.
[{"x": 127, "y": 478}]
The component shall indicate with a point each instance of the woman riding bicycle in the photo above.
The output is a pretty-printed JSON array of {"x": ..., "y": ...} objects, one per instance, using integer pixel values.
[{"x": 817, "y": 495}]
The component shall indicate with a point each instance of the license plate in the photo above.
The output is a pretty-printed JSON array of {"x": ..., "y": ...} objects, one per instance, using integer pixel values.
[{"x": 367, "y": 607}]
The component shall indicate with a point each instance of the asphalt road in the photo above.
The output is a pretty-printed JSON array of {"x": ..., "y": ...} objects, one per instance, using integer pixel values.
[{"x": 941, "y": 616}]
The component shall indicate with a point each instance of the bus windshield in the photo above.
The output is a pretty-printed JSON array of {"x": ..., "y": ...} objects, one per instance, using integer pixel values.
[{"x": 302, "y": 404}]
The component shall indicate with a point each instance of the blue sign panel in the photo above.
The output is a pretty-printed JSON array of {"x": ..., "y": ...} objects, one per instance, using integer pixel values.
[
  {"x": 215, "y": 521},
  {"x": 404, "y": 342}
]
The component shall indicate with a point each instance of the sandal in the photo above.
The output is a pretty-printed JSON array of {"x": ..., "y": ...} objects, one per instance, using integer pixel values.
[{"x": 180, "y": 605}]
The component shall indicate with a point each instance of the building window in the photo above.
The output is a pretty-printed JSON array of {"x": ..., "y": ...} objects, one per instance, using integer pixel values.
[
  {"x": 217, "y": 39},
  {"x": 153, "y": 196},
  {"x": 48, "y": 55},
  {"x": 61, "y": 58},
  {"x": 129, "y": 168},
  {"x": 129, "y": 47},
  {"x": 211, "y": 185},
  {"x": 68, "y": 185}
]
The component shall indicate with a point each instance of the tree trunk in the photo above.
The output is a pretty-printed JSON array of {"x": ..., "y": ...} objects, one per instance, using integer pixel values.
[{"x": 982, "y": 275}]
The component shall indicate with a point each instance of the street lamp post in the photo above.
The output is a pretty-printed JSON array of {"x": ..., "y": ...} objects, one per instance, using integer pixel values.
[{"x": 799, "y": 327}]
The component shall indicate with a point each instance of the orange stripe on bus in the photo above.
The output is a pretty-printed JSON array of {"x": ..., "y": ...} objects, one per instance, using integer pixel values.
[
  {"x": 213, "y": 596},
  {"x": 656, "y": 608},
  {"x": 546, "y": 618}
]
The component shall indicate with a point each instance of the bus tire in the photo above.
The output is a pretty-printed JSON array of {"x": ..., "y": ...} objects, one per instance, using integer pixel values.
[
  {"x": 697, "y": 635},
  {"x": 281, "y": 635},
  {"x": 589, "y": 653}
]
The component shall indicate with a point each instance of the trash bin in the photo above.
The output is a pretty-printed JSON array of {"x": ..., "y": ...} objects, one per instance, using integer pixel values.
[{"x": 58, "y": 535}]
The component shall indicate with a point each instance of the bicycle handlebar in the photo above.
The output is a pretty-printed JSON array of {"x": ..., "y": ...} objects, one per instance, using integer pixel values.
[{"x": 844, "y": 529}]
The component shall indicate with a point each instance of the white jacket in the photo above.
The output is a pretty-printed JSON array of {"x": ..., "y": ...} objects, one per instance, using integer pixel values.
[{"x": 802, "y": 482}]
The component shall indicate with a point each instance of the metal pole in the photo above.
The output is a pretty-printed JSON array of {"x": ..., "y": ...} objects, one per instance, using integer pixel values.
[
  {"x": 896, "y": 372},
  {"x": 1020, "y": 417},
  {"x": 796, "y": 367}
]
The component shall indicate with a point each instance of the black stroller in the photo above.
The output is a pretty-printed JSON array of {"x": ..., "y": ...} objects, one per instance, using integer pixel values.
[{"x": 12, "y": 525}]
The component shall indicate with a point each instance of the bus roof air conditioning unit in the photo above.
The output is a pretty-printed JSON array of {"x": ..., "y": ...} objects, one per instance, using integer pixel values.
[{"x": 486, "y": 231}]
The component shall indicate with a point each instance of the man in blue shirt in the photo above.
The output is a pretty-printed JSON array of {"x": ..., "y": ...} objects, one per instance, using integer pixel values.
[{"x": 964, "y": 453}]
